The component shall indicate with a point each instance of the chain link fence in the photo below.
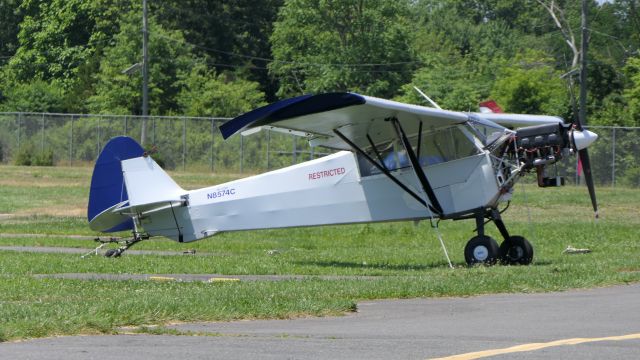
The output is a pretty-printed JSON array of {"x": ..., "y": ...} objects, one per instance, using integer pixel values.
[
  {"x": 183, "y": 143},
  {"x": 195, "y": 144}
]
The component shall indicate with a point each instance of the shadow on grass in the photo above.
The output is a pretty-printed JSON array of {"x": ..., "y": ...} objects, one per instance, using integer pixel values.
[
  {"x": 378, "y": 266},
  {"x": 400, "y": 267}
]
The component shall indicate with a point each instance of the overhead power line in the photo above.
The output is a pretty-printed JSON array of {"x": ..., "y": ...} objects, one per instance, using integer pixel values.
[{"x": 250, "y": 57}]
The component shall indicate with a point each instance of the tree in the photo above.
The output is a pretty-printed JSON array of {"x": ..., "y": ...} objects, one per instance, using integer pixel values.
[
  {"x": 460, "y": 59},
  {"x": 233, "y": 35},
  {"x": 205, "y": 93},
  {"x": 36, "y": 96},
  {"x": 632, "y": 92},
  {"x": 119, "y": 93},
  {"x": 10, "y": 18},
  {"x": 531, "y": 85},
  {"x": 53, "y": 40},
  {"x": 60, "y": 41},
  {"x": 346, "y": 45}
]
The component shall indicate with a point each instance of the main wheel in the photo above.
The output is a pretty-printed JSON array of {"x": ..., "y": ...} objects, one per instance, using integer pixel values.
[
  {"x": 516, "y": 250},
  {"x": 481, "y": 250}
]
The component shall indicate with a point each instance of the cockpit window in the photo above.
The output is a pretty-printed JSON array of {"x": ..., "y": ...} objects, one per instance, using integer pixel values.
[
  {"x": 437, "y": 146},
  {"x": 446, "y": 144}
]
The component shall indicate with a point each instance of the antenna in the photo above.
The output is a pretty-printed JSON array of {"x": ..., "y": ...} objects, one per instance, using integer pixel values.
[{"x": 428, "y": 99}]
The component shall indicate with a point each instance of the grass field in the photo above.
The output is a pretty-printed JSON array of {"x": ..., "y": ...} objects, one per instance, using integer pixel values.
[{"x": 398, "y": 259}]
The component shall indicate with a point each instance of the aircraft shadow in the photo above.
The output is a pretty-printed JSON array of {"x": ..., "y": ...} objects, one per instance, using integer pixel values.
[
  {"x": 377, "y": 266},
  {"x": 396, "y": 267}
]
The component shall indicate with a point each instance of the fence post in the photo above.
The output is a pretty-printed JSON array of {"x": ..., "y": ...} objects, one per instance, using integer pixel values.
[
  {"x": 295, "y": 149},
  {"x": 125, "y": 125},
  {"x": 241, "y": 153},
  {"x": 268, "y": 147},
  {"x": 99, "y": 137},
  {"x": 71, "y": 142},
  {"x": 613, "y": 158},
  {"x": 42, "y": 137},
  {"x": 184, "y": 143},
  {"x": 213, "y": 127},
  {"x": 19, "y": 125}
]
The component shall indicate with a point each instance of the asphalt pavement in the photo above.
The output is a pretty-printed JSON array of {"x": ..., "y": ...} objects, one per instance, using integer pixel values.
[{"x": 601, "y": 323}]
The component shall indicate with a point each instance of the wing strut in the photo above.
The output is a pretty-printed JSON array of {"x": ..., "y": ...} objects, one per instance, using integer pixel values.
[
  {"x": 417, "y": 169},
  {"x": 384, "y": 170}
]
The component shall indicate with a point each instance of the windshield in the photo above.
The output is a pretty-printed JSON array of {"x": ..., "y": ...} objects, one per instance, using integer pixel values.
[{"x": 487, "y": 131}]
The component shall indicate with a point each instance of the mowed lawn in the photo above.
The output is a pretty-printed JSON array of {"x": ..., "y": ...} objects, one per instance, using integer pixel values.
[{"x": 373, "y": 261}]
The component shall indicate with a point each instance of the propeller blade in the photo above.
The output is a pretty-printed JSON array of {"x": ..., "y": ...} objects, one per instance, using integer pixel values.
[{"x": 586, "y": 167}]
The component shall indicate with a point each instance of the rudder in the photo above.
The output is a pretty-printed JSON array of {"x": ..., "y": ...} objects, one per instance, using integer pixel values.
[{"x": 107, "y": 182}]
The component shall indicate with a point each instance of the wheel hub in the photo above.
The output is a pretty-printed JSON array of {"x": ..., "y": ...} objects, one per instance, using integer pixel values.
[
  {"x": 516, "y": 252},
  {"x": 481, "y": 253}
]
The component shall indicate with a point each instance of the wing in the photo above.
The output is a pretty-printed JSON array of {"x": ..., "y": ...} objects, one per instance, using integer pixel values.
[
  {"x": 359, "y": 118},
  {"x": 356, "y": 116},
  {"x": 519, "y": 120}
]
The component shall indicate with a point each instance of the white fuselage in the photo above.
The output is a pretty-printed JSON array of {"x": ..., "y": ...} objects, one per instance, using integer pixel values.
[{"x": 329, "y": 190}]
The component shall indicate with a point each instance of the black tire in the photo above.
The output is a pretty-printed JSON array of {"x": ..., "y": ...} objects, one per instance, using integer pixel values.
[
  {"x": 516, "y": 251},
  {"x": 112, "y": 253},
  {"x": 481, "y": 250}
]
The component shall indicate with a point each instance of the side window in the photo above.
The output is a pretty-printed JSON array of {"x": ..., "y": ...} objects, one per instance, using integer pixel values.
[
  {"x": 437, "y": 147},
  {"x": 444, "y": 145}
]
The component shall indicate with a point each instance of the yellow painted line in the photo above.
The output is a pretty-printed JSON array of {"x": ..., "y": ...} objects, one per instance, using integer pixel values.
[
  {"x": 161, "y": 278},
  {"x": 219, "y": 279},
  {"x": 536, "y": 346}
]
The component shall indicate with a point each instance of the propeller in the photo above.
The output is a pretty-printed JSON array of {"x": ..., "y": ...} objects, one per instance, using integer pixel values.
[{"x": 581, "y": 139}]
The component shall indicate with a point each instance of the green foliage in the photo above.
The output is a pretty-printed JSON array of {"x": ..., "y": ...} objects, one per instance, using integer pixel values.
[
  {"x": 36, "y": 96},
  {"x": 27, "y": 155},
  {"x": 24, "y": 155},
  {"x": 120, "y": 93},
  {"x": 632, "y": 92},
  {"x": 456, "y": 85},
  {"x": 530, "y": 85},
  {"x": 53, "y": 37},
  {"x": 239, "y": 34},
  {"x": 10, "y": 19},
  {"x": 43, "y": 158},
  {"x": 204, "y": 93},
  {"x": 453, "y": 49},
  {"x": 632, "y": 177},
  {"x": 318, "y": 44},
  {"x": 461, "y": 59}
]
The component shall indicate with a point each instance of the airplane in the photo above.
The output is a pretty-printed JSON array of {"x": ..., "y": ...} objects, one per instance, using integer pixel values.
[{"x": 392, "y": 162}]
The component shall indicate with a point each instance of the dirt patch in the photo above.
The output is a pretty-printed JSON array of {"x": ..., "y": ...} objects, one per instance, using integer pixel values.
[
  {"x": 6, "y": 216},
  {"x": 71, "y": 210}
]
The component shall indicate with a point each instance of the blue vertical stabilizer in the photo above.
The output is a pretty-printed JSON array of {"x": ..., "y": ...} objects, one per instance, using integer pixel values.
[{"x": 107, "y": 183}]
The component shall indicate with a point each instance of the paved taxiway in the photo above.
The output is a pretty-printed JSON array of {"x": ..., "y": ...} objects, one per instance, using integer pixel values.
[{"x": 392, "y": 329}]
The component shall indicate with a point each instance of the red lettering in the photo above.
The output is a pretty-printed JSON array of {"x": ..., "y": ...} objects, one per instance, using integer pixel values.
[{"x": 326, "y": 173}]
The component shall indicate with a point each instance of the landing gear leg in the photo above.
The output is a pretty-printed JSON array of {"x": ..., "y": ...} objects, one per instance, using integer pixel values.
[
  {"x": 514, "y": 250},
  {"x": 481, "y": 249}
]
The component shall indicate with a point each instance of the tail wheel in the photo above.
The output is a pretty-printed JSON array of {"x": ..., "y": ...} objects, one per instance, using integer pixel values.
[
  {"x": 481, "y": 249},
  {"x": 516, "y": 250}
]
